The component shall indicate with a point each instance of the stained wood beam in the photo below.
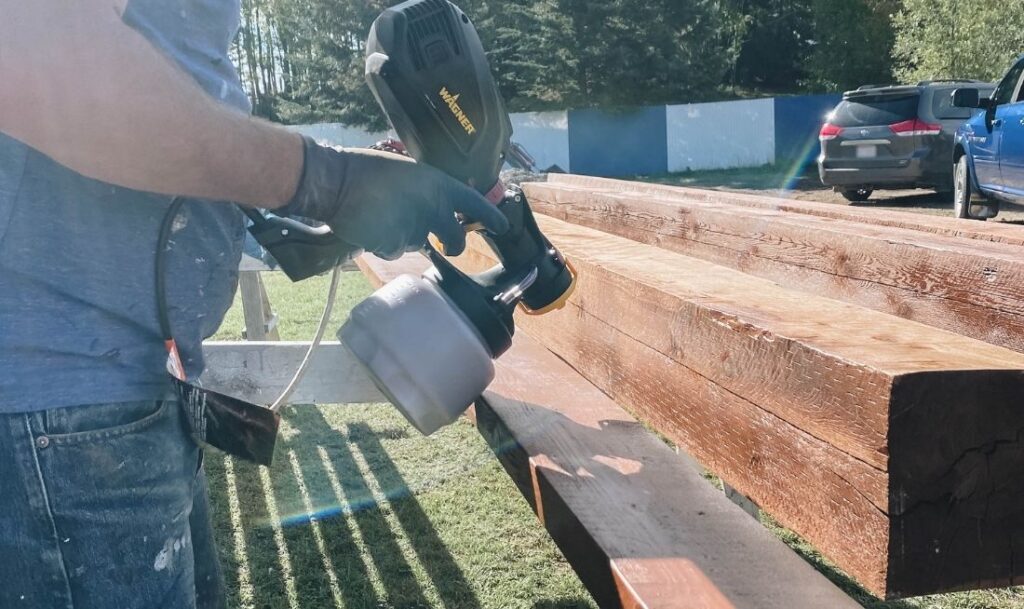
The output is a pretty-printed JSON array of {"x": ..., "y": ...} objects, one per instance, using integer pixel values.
[
  {"x": 639, "y": 525},
  {"x": 894, "y": 447},
  {"x": 971, "y": 287},
  {"x": 970, "y": 229}
]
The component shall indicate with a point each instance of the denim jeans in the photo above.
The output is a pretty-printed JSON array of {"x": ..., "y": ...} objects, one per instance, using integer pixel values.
[{"x": 104, "y": 506}]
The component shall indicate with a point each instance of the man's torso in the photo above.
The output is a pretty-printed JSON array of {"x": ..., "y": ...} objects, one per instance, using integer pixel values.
[{"x": 78, "y": 320}]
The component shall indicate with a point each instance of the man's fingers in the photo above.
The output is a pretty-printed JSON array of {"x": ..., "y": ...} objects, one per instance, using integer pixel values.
[
  {"x": 389, "y": 255},
  {"x": 471, "y": 204},
  {"x": 451, "y": 233}
]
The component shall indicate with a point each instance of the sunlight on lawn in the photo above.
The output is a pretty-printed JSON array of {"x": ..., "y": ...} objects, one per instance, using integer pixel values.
[{"x": 360, "y": 511}]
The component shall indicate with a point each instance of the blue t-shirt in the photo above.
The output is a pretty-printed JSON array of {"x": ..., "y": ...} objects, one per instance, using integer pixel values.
[{"x": 78, "y": 322}]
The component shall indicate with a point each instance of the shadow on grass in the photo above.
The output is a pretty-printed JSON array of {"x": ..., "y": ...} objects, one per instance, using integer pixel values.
[
  {"x": 839, "y": 578},
  {"x": 311, "y": 533},
  {"x": 284, "y": 563},
  {"x": 441, "y": 567},
  {"x": 913, "y": 200},
  {"x": 568, "y": 603}
]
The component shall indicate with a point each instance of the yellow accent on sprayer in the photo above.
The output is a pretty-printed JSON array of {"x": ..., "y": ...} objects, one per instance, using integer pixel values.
[
  {"x": 556, "y": 305},
  {"x": 435, "y": 242},
  {"x": 453, "y": 104},
  {"x": 562, "y": 300}
]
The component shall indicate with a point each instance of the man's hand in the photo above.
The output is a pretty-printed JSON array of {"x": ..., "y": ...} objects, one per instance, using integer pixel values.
[{"x": 386, "y": 204}]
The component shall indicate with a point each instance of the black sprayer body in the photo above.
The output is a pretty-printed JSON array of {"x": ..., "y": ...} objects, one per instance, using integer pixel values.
[
  {"x": 429, "y": 342},
  {"x": 428, "y": 70}
]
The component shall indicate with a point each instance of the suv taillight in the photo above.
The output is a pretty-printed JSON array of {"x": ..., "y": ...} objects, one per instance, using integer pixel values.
[
  {"x": 915, "y": 126},
  {"x": 829, "y": 132}
]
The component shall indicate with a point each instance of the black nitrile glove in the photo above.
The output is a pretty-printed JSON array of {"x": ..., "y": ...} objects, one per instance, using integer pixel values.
[{"x": 386, "y": 204}]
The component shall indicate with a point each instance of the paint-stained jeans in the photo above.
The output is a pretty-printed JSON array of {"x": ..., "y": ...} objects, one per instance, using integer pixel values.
[{"x": 104, "y": 507}]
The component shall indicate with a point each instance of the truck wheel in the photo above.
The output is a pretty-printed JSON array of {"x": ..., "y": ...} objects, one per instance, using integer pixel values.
[
  {"x": 856, "y": 195},
  {"x": 962, "y": 189}
]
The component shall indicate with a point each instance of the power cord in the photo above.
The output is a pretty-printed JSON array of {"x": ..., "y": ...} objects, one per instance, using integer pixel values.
[{"x": 162, "y": 245}]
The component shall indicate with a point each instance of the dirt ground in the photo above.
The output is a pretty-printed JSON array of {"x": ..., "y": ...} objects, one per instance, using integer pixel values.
[
  {"x": 922, "y": 201},
  {"x": 807, "y": 187}
]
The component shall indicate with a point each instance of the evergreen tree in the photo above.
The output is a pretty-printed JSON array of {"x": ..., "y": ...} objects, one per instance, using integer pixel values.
[
  {"x": 327, "y": 51},
  {"x": 622, "y": 52},
  {"x": 852, "y": 43},
  {"x": 775, "y": 44},
  {"x": 303, "y": 60},
  {"x": 957, "y": 38}
]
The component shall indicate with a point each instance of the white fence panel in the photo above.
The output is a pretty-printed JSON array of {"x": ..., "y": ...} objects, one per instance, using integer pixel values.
[
  {"x": 545, "y": 135},
  {"x": 721, "y": 135}
]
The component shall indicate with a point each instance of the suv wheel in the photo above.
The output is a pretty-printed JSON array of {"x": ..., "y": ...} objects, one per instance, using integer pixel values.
[
  {"x": 962, "y": 190},
  {"x": 856, "y": 195}
]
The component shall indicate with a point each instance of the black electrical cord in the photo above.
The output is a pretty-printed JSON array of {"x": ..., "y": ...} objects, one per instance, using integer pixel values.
[
  {"x": 162, "y": 244},
  {"x": 161, "y": 266},
  {"x": 255, "y": 216}
]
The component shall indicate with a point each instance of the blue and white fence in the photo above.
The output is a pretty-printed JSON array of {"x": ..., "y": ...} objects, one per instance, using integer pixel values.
[{"x": 657, "y": 139}]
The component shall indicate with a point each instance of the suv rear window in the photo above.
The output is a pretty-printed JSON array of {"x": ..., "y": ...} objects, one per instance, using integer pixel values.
[
  {"x": 881, "y": 110},
  {"x": 943, "y": 108}
]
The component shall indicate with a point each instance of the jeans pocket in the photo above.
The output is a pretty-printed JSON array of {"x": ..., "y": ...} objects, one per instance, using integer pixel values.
[{"x": 103, "y": 421}]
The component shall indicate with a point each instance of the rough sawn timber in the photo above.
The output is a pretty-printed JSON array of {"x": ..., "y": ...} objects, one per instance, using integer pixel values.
[
  {"x": 970, "y": 229},
  {"x": 894, "y": 447},
  {"x": 639, "y": 525},
  {"x": 970, "y": 287}
]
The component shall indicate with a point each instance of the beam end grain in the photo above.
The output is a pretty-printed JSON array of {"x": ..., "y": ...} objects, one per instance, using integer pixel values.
[{"x": 956, "y": 506}]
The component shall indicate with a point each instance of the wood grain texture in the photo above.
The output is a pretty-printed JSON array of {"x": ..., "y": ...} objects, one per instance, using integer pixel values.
[
  {"x": 796, "y": 399},
  {"x": 974, "y": 288},
  {"x": 638, "y": 523},
  {"x": 970, "y": 229},
  {"x": 259, "y": 371}
]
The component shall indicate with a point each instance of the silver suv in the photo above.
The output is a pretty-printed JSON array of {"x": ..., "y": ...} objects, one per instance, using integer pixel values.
[{"x": 893, "y": 137}]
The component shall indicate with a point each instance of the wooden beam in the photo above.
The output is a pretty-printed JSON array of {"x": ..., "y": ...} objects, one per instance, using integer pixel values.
[
  {"x": 259, "y": 371},
  {"x": 248, "y": 263},
  {"x": 970, "y": 287},
  {"x": 894, "y": 447},
  {"x": 639, "y": 525},
  {"x": 970, "y": 229}
]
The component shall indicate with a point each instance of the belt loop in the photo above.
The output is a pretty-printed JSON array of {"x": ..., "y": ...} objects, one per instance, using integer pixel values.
[{"x": 38, "y": 422}]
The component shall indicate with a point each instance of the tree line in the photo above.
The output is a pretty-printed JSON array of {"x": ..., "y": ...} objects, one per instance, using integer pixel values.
[{"x": 301, "y": 61}]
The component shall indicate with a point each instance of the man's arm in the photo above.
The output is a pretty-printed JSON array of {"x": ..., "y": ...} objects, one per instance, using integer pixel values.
[{"x": 79, "y": 85}]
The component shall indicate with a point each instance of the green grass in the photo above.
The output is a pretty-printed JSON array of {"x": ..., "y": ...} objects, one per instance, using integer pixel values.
[
  {"x": 759, "y": 178},
  {"x": 785, "y": 176},
  {"x": 360, "y": 511}
]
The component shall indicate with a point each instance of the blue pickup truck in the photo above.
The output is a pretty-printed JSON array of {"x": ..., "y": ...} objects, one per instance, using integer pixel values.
[{"x": 988, "y": 150}]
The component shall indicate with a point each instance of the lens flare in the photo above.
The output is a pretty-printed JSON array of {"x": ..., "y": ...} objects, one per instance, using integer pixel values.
[
  {"x": 807, "y": 157},
  {"x": 316, "y": 509}
]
